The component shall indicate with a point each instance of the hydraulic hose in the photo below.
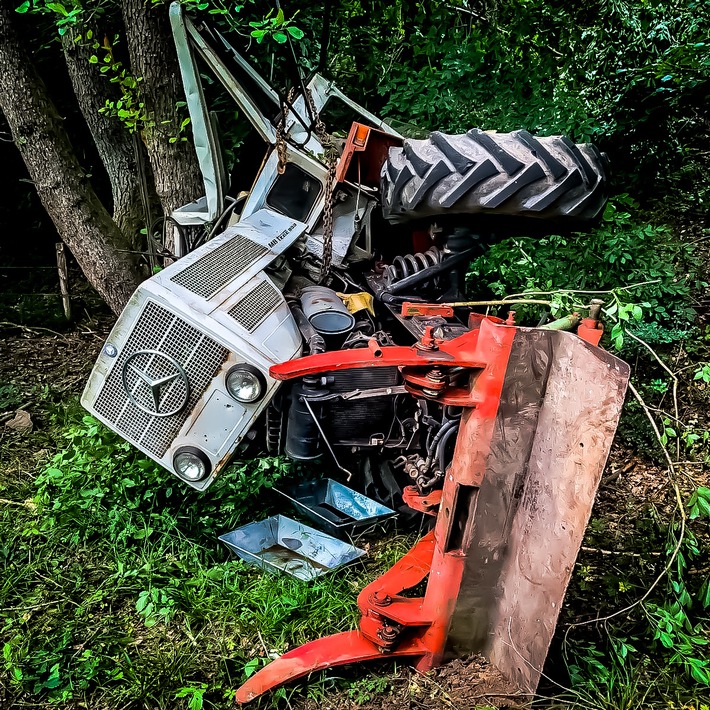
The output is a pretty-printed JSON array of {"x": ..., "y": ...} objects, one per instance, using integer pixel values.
[
  {"x": 441, "y": 447},
  {"x": 433, "y": 447}
]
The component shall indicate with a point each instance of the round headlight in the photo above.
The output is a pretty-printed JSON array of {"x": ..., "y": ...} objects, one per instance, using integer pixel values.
[
  {"x": 191, "y": 464},
  {"x": 245, "y": 383}
]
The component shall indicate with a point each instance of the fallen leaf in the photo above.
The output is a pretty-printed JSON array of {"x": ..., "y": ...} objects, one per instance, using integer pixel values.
[{"x": 21, "y": 422}]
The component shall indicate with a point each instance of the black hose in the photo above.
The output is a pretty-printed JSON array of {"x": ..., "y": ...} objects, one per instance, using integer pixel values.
[
  {"x": 431, "y": 451},
  {"x": 441, "y": 448},
  {"x": 226, "y": 212},
  {"x": 314, "y": 340},
  {"x": 452, "y": 413}
]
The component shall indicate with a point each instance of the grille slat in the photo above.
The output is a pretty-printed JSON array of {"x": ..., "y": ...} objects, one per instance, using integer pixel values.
[
  {"x": 255, "y": 306},
  {"x": 212, "y": 272},
  {"x": 356, "y": 420},
  {"x": 200, "y": 356}
]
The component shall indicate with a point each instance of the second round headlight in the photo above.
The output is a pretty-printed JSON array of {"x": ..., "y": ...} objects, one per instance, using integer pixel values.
[
  {"x": 191, "y": 464},
  {"x": 245, "y": 383}
]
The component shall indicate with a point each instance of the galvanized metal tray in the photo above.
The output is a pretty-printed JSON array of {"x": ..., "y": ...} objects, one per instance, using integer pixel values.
[
  {"x": 334, "y": 507},
  {"x": 279, "y": 544}
]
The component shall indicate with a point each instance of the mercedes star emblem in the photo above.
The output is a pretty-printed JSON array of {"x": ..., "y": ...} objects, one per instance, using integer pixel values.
[{"x": 167, "y": 392}]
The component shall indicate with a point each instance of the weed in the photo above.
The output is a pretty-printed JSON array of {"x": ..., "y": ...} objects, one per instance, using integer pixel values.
[
  {"x": 621, "y": 251},
  {"x": 610, "y": 672},
  {"x": 699, "y": 505},
  {"x": 367, "y": 689},
  {"x": 9, "y": 396},
  {"x": 132, "y": 597},
  {"x": 194, "y": 694}
]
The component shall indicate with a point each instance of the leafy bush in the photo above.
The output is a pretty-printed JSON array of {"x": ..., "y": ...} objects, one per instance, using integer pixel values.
[
  {"x": 631, "y": 76},
  {"x": 113, "y": 580},
  {"x": 124, "y": 495},
  {"x": 653, "y": 274}
]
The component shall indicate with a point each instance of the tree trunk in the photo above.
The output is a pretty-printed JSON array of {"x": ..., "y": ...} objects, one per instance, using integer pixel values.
[
  {"x": 154, "y": 61},
  {"x": 63, "y": 187},
  {"x": 113, "y": 141}
]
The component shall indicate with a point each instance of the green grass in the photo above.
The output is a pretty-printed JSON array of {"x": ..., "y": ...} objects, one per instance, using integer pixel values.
[{"x": 116, "y": 593}]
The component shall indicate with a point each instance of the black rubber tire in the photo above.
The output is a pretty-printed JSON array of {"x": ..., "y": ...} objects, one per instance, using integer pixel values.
[{"x": 514, "y": 174}]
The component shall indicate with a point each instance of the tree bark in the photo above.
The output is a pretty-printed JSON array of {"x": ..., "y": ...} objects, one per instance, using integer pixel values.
[
  {"x": 63, "y": 187},
  {"x": 113, "y": 141},
  {"x": 154, "y": 61}
]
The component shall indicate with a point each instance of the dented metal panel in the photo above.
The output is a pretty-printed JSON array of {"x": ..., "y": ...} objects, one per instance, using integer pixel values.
[
  {"x": 577, "y": 419},
  {"x": 279, "y": 544},
  {"x": 166, "y": 325}
]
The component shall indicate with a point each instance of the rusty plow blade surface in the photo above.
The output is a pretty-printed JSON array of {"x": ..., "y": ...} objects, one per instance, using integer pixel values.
[{"x": 515, "y": 503}]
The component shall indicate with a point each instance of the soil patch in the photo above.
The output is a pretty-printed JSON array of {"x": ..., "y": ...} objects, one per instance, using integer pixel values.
[{"x": 36, "y": 358}]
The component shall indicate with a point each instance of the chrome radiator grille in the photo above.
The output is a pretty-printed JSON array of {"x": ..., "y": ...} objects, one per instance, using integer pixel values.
[
  {"x": 255, "y": 306},
  {"x": 216, "y": 269},
  {"x": 167, "y": 338}
]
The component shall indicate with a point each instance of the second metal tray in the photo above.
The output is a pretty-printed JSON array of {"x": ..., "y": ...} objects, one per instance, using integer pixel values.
[
  {"x": 284, "y": 545},
  {"x": 335, "y": 507}
]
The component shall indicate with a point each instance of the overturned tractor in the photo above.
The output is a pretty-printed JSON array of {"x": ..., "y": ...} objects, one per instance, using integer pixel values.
[{"x": 323, "y": 315}]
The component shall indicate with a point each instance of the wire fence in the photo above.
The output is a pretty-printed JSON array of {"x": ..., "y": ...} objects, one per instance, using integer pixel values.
[{"x": 21, "y": 280}]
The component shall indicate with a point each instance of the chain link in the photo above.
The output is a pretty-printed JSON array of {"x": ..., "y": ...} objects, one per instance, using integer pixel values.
[
  {"x": 331, "y": 161},
  {"x": 281, "y": 133},
  {"x": 327, "y": 258}
]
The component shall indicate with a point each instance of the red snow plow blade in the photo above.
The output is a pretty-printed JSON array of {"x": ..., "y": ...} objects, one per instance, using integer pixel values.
[{"x": 540, "y": 411}]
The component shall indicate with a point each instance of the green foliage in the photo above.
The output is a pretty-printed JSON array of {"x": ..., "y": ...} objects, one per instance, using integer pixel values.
[
  {"x": 10, "y": 396},
  {"x": 367, "y": 689},
  {"x": 117, "y": 483},
  {"x": 613, "y": 672},
  {"x": 641, "y": 270},
  {"x": 65, "y": 14},
  {"x": 28, "y": 309},
  {"x": 213, "y": 7},
  {"x": 276, "y": 27},
  {"x": 615, "y": 52},
  {"x": 195, "y": 695},
  {"x": 702, "y": 374},
  {"x": 629, "y": 76},
  {"x": 699, "y": 506},
  {"x": 683, "y": 638},
  {"x": 129, "y": 108},
  {"x": 132, "y": 597}
]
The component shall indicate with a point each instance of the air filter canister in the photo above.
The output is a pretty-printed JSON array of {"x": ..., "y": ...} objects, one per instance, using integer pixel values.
[{"x": 325, "y": 311}]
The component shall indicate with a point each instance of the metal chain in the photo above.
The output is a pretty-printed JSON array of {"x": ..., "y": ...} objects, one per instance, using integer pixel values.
[
  {"x": 281, "y": 133},
  {"x": 327, "y": 258},
  {"x": 331, "y": 160}
]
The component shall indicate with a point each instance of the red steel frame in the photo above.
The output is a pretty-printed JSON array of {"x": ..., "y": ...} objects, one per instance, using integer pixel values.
[{"x": 392, "y": 624}]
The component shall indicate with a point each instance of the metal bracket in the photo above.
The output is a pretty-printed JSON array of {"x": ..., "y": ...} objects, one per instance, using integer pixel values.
[
  {"x": 511, "y": 514},
  {"x": 360, "y": 394}
]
